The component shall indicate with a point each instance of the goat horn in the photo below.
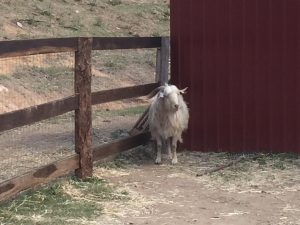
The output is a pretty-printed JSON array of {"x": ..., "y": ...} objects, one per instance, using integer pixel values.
[
  {"x": 182, "y": 91},
  {"x": 154, "y": 92}
]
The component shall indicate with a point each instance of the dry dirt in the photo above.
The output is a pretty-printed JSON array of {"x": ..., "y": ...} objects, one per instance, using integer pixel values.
[
  {"x": 32, "y": 146},
  {"x": 173, "y": 195}
]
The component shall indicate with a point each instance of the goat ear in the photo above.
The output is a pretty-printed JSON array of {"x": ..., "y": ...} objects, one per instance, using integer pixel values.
[{"x": 183, "y": 91}]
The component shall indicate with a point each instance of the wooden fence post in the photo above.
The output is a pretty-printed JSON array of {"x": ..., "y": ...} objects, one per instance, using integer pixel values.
[
  {"x": 158, "y": 66},
  {"x": 164, "y": 60},
  {"x": 162, "y": 66},
  {"x": 83, "y": 115}
]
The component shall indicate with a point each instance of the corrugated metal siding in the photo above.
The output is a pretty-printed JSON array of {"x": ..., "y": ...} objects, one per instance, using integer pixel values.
[{"x": 241, "y": 62}]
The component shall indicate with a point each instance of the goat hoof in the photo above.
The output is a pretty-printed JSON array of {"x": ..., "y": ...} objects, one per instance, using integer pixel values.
[
  {"x": 158, "y": 161},
  {"x": 174, "y": 161}
]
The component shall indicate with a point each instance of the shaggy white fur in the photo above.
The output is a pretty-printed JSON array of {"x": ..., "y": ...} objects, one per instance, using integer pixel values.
[{"x": 168, "y": 118}]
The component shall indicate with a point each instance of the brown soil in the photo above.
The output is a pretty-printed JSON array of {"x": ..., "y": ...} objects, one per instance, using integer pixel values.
[
  {"x": 171, "y": 195},
  {"x": 32, "y": 146}
]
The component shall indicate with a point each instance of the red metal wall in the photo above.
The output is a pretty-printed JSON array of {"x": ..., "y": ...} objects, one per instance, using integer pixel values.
[{"x": 241, "y": 62}]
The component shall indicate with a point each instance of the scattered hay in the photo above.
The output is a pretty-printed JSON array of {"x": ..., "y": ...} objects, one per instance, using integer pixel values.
[
  {"x": 136, "y": 206},
  {"x": 131, "y": 158},
  {"x": 263, "y": 174},
  {"x": 100, "y": 202},
  {"x": 257, "y": 173},
  {"x": 234, "y": 213},
  {"x": 61, "y": 203},
  {"x": 102, "y": 171}
]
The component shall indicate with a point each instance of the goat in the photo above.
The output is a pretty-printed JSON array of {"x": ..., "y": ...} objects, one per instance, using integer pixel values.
[{"x": 168, "y": 118}]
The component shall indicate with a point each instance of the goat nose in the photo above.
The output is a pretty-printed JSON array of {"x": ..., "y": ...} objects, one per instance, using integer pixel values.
[{"x": 176, "y": 106}]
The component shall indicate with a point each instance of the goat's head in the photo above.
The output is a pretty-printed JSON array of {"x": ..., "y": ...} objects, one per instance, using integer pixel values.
[{"x": 170, "y": 95}]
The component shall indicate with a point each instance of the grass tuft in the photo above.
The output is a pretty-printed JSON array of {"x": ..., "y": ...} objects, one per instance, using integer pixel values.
[
  {"x": 58, "y": 202},
  {"x": 136, "y": 156},
  {"x": 45, "y": 79},
  {"x": 131, "y": 111},
  {"x": 98, "y": 23},
  {"x": 114, "y": 2}
]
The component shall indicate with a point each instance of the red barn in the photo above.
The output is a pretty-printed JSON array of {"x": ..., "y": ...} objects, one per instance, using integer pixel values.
[{"x": 241, "y": 62}]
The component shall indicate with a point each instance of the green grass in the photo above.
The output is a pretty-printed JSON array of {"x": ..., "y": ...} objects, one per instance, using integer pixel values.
[
  {"x": 45, "y": 79},
  {"x": 92, "y": 3},
  {"x": 158, "y": 12},
  {"x": 46, "y": 18},
  {"x": 117, "y": 61},
  {"x": 95, "y": 188},
  {"x": 114, "y": 2},
  {"x": 61, "y": 119},
  {"x": 99, "y": 23},
  {"x": 50, "y": 203},
  {"x": 132, "y": 111},
  {"x": 69, "y": 117},
  {"x": 4, "y": 78},
  {"x": 54, "y": 205}
]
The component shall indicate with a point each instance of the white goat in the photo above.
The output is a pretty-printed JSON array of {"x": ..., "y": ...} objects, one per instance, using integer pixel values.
[{"x": 168, "y": 118}]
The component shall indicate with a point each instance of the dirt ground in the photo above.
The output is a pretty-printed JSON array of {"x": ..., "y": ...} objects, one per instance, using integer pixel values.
[
  {"x": 260, "y": 191},
  {"x": 28, "y": 147},
  {"x": 264, "y": 191}
]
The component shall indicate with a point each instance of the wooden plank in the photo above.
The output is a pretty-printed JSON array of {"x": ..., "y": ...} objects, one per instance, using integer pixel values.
[
  {"x": 37, "y": 113},
  {"x": 122, "y": 93},
  {"x": 120, "y": 145},
  {"x": 45, "y": 174},
  {"x": 144, "y": 121},
  {"x": 37, "y": 46},
  {"x": 141, "y": 123},
  {"x": 54, "y": 45},
  {"x": 164, "y": 63},
  {"x": 158, "y": 65},
  {"x": 83, "y": 115},
  {"x": 110, "y": 43}
]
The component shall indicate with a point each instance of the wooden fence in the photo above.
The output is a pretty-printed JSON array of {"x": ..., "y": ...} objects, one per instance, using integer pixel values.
[{"x": 82, "y": 100}]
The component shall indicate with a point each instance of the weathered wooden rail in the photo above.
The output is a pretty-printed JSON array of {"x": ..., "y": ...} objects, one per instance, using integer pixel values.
[
  {"x": 56, "y": 45},
  {"x": 82, "y": 100}
]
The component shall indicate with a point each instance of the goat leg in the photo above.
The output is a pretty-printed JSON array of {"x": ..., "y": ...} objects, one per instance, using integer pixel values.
[
  {"x": 174, "y": 147},
  {"x": 169, "y": 148},
  {"x": 159, "y": 146}
]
